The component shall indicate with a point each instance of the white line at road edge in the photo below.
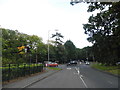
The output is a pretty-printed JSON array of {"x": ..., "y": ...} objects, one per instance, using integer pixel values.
[{"x": 78, "y": 71}]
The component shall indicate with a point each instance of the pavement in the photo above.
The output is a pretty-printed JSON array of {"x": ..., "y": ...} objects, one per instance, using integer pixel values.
[{"x": 24, "y": 83}]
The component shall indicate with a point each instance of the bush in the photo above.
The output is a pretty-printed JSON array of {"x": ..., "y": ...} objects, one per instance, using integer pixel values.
[{"x": 6, "y": 61}]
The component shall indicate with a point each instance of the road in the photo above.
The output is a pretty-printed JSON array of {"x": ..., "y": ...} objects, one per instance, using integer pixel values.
[{"x": 80, "y": 76}]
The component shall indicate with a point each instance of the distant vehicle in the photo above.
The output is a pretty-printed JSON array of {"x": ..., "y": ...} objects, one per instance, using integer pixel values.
[
  {"x": 87, "y": 63},
  {"x": 51, "y": 64},
  {"x": 118, "y": 63},
  {"x": 47, "y": 63},
  {"x": 72, "y": 63}
]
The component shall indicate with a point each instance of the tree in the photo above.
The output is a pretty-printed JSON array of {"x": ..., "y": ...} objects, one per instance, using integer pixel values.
[
  {"x": 70, "y": 50},
  {"x": 103, "y": 31},
  {"x": 59, "y": 48},
  {"x": 0, "y": 45},
  {"x": 58, "y": 40},
  {"x": 14, "y": 45}
]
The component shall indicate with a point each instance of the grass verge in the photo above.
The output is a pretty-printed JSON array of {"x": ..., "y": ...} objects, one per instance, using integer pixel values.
[
  {"x": 54, "y": 68},
  {"x": 111, "y": 69}
]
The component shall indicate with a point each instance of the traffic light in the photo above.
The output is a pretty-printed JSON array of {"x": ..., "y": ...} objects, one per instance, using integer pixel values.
[{"x": 21, "y": 49}]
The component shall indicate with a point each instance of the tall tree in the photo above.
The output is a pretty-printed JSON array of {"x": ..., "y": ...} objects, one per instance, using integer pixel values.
[
  {"x": 59, "y": 48},
  {"x": 14, "y": 45},
  {"x": 106, "y": 24},
  {"x": 70, "y": 49},
  {"x": 57, "y": 37},
  {"x": 103, "y": 31}
]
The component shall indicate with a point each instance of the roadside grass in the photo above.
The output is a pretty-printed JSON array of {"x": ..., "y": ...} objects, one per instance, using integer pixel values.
[
  {"x": 116, "y": 72},
  {"x": 54, "y": 68},
  {"x": 111, "y": 69}
]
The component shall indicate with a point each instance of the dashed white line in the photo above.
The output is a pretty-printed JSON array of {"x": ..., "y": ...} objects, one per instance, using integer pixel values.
[
  {"x": 83, "y": 82},
  {"x": 78, "y": 71},
  {"x": 110, "y": 82},
  {"x": 81, "y": 75},
  {"x": 68, "y": 68}
]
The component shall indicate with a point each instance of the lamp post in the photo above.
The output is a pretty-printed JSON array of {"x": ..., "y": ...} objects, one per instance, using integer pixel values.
[{"x": 48, "y": 44}]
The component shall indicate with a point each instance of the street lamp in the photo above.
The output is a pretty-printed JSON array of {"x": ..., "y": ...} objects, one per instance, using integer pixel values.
[{"x": 48, "y": 44}]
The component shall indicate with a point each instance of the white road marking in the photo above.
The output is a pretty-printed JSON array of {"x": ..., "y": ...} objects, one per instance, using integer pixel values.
[
  {"x": 83, "y": 82},
  {"x": 68, "y": 68},
  {"x": 78, "y": 71},
  {"x": 110, "y": 82},
  {"x": 75, "y": 73},
  {"x": 81, "y": 75}
]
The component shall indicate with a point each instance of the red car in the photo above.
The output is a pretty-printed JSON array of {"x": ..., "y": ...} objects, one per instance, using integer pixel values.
[{"x": 51, "y": 64}]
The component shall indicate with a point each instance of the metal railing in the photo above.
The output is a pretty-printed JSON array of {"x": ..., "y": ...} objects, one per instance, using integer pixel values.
[{"x": 13, "y": 71}]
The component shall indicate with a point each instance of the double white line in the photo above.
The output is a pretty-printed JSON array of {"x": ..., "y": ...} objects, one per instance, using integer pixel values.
[{"x": 78, "y": 71}]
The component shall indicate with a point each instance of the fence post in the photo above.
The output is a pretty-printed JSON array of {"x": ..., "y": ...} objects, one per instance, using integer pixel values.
[
  {"x": 17, "y": 70},
  {"x": 9, "y": 73},
  {"x": 34, "y": 68},
  {"x": 29, "y": 69},
  {"x": 24, "y": 69},
  {"x": 37, "y": 68},
  {"x": 43, "y": 68}
]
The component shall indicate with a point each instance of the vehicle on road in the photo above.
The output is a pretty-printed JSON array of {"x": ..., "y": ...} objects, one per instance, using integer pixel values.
[
  {"x": 51, "y": 64},
  {"x": 80, "y": 62},
  {"x": 72, "y": 63},
  {"x": 87, "y": 63},
  {"x": 118, "y": 63}
]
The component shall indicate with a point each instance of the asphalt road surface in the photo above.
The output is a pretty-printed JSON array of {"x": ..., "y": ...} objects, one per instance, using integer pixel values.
[{"x": 80, "y": 76}]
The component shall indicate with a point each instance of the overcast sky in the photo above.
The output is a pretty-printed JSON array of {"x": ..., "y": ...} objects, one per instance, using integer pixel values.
[{"x": 39, "y": 16}]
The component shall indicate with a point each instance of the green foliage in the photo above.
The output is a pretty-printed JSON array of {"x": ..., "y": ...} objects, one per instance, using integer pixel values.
[
  {"x": 54, "y": 68},
  {"x": 22, "y": 65},
  {"x": 11, "y": 40},
  {"x": 111, "y": 69},
  {"x": 58, "y": 52},
  {"x": 58, "y": 37},
  {"x": 70, "y": 50},
  {"x": 104, "y": 32}
]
